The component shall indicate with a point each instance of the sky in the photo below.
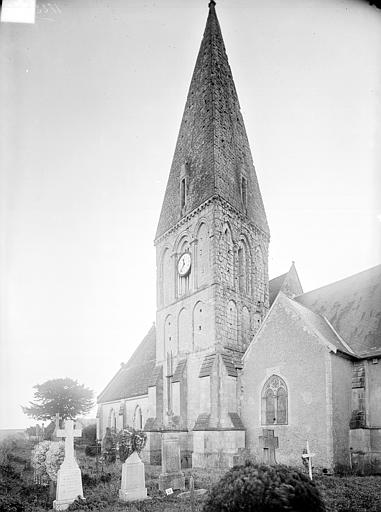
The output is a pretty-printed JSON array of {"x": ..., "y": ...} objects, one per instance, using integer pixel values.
[{"x": 91, "y": 99}]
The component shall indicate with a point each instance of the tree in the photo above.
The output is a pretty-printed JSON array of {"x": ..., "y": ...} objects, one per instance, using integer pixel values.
[{"x": 63, "y": 396}]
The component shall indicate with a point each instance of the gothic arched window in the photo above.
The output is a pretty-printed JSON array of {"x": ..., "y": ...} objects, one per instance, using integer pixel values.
[
  {"x": 274, "y": 402},
  {"x": 232, "y": 322},
  {"x": 166, "y": 279},
  {"x": 112, "y": 420},
  {"x": 243, "y": 268},
  {"x": 137, "y": 421},
  {"x": 228, "y": 256},
  {"x": 260, "y": 274},
  {"x": 202, "y": 255}
]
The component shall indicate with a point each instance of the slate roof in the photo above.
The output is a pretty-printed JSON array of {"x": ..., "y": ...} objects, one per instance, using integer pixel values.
[
  {"x": 319, "y": 325},
  {"x": 178, "y": 374},
  {"x": 212, "y": 148},
  {"x": 353, "y": 307},
  {"x": 133, "y": 378},
  {"x": 274, "y": 287},
  {"x": 288, "y": 283}
]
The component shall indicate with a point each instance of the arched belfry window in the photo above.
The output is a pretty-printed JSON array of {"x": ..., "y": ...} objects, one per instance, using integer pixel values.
[
  {"x": 184, "y": 268},
  {"x": 228, "y": 256},
  {"x": 274, "y": 401},
  {"x": 243, "y": 268}
]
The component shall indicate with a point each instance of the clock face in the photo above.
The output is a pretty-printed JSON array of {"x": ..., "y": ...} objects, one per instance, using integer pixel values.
[{"x": 184, "y": 264}]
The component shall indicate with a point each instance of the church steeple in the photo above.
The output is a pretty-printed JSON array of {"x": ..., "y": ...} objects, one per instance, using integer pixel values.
[{"x": 212, "y": 156}]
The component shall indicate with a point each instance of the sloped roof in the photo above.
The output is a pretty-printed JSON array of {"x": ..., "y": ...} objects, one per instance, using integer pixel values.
[
  {"x": 212, "y": 148},
  {"x": 353, "y": 307},
  {"x": 288, "y": 283},
  {"x": 320, "y": 325},
  {"x": 133, "y": 378},
  {"x": 274, "y": 287}
]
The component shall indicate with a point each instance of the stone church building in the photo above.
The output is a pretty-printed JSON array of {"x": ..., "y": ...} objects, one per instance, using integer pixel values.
[{"x": 235, "y": 361}]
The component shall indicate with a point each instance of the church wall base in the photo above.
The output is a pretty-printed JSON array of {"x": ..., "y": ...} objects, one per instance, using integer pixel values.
[
  {"x": 217, "y": 448},
  {"x": 365, "y": 444},
  {"x": 151, "y": 453}
]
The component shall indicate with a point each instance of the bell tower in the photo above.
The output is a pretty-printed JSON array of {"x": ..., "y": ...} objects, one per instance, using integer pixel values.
[{"x": 211, "y": 255}]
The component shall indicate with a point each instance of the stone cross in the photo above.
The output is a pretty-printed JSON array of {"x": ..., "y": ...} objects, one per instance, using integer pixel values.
[
  {"x": 307, "y": 455},
  {"x": 269, "y": 444},
  {"x": 69, "y": 433}
]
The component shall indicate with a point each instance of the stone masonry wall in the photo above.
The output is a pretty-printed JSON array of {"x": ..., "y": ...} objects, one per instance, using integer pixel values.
[{"x": 285, "y": 347}]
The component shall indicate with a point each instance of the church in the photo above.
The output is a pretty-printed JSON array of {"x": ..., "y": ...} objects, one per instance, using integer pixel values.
[{"x": 236, "y": 363}]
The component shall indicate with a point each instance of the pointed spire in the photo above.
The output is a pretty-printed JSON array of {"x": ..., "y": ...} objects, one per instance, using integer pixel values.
[{"x": 212, "y": 155}]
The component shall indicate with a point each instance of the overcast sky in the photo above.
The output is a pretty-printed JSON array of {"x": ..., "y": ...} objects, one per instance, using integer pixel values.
[{"x": 91, "y": 99}]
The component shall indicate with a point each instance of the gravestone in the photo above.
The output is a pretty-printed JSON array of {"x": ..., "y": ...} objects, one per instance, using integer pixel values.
[
  {"x": 133, "y": 486},
  {"x": 171, "y": 475},
  {"x": 69, "y": 481},
  {"x": 269, "y": 443},
  {"x": 307, "y": 459}
]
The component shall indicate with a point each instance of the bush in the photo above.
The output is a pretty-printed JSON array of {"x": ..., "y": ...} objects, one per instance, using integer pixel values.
[
  {"x": 92, "y": 450},
  {"x": 264, "y": 489}
]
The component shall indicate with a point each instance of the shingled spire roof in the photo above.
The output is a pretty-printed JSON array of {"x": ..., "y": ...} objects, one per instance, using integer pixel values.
[{"x": 212, "y": 150}]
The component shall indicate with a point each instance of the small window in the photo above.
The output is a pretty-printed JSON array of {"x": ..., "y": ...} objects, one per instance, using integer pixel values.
[
  {"x": 244, "y": 191},
  {"x": 182, "y": 193}
]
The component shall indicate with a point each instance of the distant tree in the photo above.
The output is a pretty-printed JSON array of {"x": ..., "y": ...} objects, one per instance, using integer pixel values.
[{"x": 63, "y": 396}]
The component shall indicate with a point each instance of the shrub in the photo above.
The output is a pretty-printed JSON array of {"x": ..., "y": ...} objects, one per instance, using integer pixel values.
[
  {"x": 130, "y": 440},
  {"x": 92, "y": 450},
  {"x": 39, "y": 459},
  {"x": 54, "y": 458},
  {"x": 263, "y": 489}
]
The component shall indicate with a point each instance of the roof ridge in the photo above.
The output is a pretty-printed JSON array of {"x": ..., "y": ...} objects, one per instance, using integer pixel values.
[{"x": 339, "y": 281}]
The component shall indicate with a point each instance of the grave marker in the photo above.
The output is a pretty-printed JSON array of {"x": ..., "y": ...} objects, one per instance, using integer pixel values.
[
  {"x": 69, "y": 481},
  {"x": 269, "y": 443},
  {"x": 171, "y": 474},
  {"x": 133, "y": 486},
  {"x": 307, "y": 456}
]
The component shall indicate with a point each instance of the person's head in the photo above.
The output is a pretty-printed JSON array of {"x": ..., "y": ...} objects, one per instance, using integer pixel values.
[{"x": 261, "y": 488}]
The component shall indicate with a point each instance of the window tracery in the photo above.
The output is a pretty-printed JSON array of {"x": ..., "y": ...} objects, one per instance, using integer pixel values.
[{"x": 274, "y": 401}]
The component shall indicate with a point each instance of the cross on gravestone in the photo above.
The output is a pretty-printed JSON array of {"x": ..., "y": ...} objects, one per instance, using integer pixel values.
[
  {"x": 269, "y": 443},
  {"x": 69, "y": 481},
  {"x": 307, "y": 456},
  {"x": 69, "y": 433}
]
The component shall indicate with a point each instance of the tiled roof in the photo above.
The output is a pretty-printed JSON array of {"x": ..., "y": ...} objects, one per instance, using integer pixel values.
[
  {"x": 353, "y": 307},
  {"x": 212, "y": 148},
  {"x": 133, "y": 377},
  {"x": 236, "y": 421},
  {"x": 288, "y": 283},
  {"x": 155, "y": 376},
  {"x": 202, "y": 422},
  {"x": 320, "y": 325},
  {"x": 229, "y": 365},
  {"x": 274, "y": 287},
  {"x": 207, "y": 365},
  {"x": 178, "y": 373}
]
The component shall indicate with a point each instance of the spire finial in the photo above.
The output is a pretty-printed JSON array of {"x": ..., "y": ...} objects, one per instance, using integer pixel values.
[{"x": 211, "y": 3}]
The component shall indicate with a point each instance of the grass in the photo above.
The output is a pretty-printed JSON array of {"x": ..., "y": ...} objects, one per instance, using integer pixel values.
[{"x": 101, "y": 485}]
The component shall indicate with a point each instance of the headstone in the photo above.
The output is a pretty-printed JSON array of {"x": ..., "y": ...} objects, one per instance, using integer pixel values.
[
  {"x": 133, "y": 485},
  {"x": 171, "y": 474},
  {"x": 307, "y": 456},
  {"x": 269, "y": 444},
  {"x": 69, "y": 481}
]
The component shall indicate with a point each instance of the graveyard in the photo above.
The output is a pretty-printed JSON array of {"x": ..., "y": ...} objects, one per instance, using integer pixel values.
[{"x": 106, "y": 483}]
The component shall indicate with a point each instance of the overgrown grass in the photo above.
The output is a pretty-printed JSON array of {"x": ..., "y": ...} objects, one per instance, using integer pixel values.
[{"x": 101, "y": 485}]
